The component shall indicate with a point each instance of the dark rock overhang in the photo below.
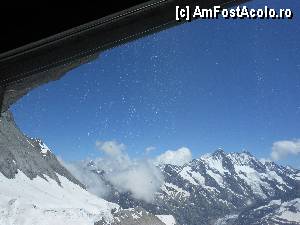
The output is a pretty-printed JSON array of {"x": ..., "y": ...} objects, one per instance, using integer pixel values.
[{"x": 32, "y": 65}]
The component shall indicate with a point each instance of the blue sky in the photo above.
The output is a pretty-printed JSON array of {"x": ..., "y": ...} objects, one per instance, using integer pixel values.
[{"x": 207, "y": 84}]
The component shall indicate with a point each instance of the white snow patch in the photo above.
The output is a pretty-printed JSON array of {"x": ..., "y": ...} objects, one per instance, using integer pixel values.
[
  {"x": 136, "y": 215},
  {"x": 274, "y": 176},
  {"x": 40, "y": 202},
  {"x": 252, "y": 178},
  {"x": 193, "y": 177},
  {"x": 216, "y": 177},
  {"x": 167, "y": 219},
  {"x": 214, "y": 164},
  {"x": 290, "y": 216},
  {"x": 224, "y": 220},
  {"x": 185, "y": 174},
  {"x": 273, "y": 202},
  {"x": 44, "y": 148},
  {"x": 198, "y": 177},
  {"x": 285, "y": 213}
]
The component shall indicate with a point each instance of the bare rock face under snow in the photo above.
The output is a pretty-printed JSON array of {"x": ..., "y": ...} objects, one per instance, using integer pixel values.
[{"x": 21, "y": 153}]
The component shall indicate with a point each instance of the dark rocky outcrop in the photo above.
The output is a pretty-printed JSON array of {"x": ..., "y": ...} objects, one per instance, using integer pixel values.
[{"x": 14, "y": 91}]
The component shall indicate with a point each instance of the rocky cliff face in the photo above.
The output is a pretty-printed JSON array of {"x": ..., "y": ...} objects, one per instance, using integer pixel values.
[
  {"x": 19, "y": 152},
  {"x": 31, "y": 156}
]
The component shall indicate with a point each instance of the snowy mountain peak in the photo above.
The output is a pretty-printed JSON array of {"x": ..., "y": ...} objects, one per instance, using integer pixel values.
[
  {"x": 210, "y": 187},
  {"x": 219, "y": 152},
  {"x": 198, "y": 192}
]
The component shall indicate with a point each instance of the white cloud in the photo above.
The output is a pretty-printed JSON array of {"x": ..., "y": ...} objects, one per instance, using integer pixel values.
[
  {"x": 281, "y": 149},
  {"x": 139, "y": 177},
  {"x": 111, "y": 148},
  {"x": 178, "y": 157},
  {"x": 150, "y": 149},
  {"x": 86, "y": 177}
]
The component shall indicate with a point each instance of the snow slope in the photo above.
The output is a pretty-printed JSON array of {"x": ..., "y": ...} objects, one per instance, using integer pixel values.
[
  {"x": 275, "y": 212},
  {"x": 167, "y": 219},
  {"x": 40, "y": 202}
]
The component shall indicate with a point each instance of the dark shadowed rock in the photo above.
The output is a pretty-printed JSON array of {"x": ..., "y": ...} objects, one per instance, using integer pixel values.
[{"x": 13, "y": 92}]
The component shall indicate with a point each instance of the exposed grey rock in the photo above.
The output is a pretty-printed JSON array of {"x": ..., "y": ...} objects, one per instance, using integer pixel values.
[{"x": 19, "y": 152}]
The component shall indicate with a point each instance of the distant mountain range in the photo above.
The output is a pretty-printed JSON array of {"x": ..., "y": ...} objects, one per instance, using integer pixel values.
[{"x": 216, "y": 189}]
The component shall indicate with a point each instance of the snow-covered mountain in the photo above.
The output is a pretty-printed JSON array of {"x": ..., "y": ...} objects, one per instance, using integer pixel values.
[
  {"x": 219, "y": 188},
  {"x": 44, "y": 202},
  {"x": 213, "y": 189},
  {"x": 280, "y": 211},
  {"x": 36, "y": 189}
]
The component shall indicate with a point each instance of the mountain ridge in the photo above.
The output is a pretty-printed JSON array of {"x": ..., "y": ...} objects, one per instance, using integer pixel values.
[
  {"x": 212, "y": 187},
  {"x": 29, "y": 155}
]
